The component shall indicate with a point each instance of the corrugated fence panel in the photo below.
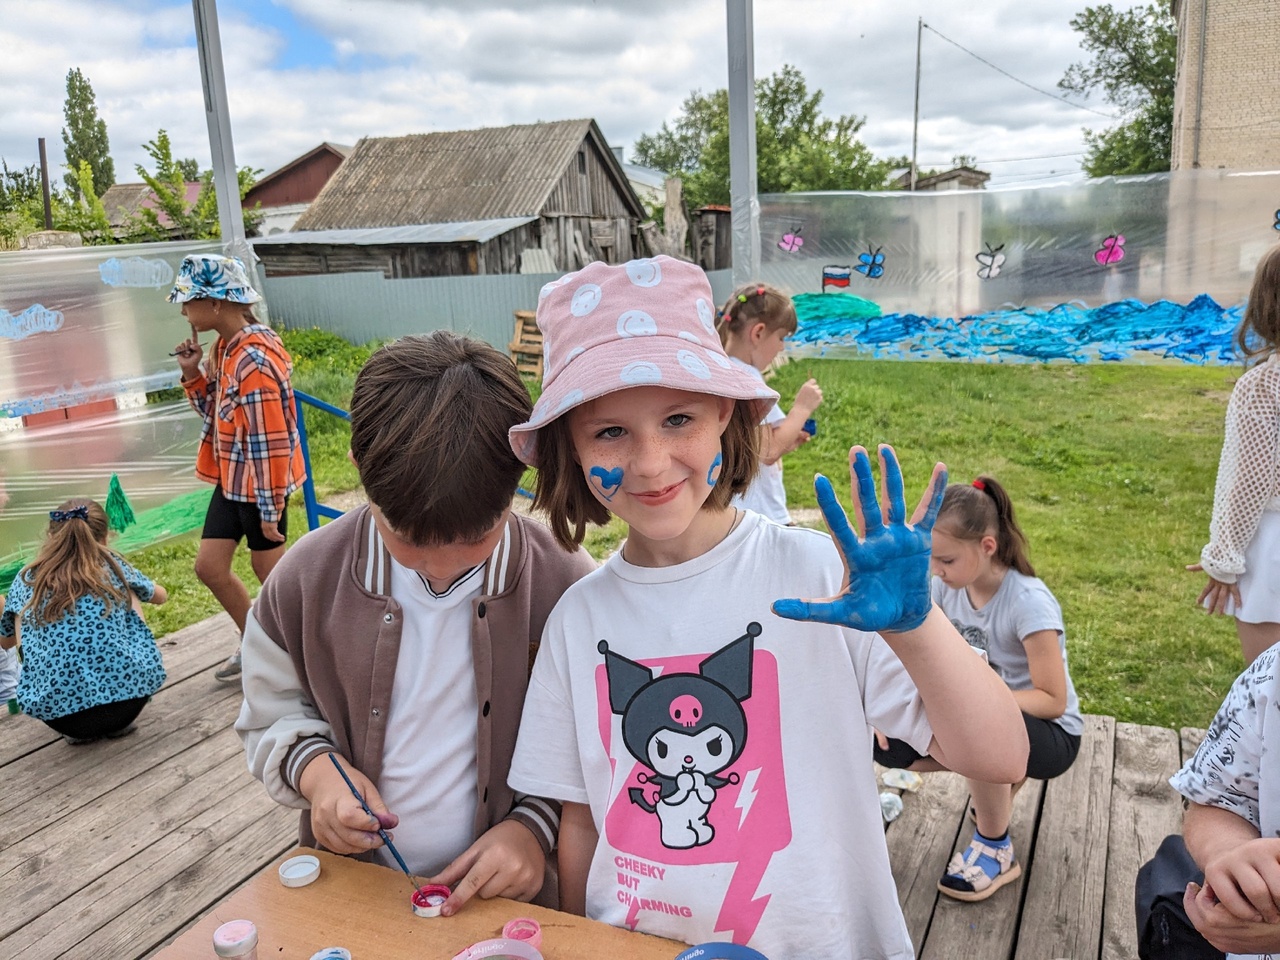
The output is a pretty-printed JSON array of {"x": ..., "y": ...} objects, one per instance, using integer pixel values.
[{"x": 365, "y": 306}]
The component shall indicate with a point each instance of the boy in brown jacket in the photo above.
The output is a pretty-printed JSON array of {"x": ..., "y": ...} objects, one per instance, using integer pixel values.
[{"x": 399, "y": 637}]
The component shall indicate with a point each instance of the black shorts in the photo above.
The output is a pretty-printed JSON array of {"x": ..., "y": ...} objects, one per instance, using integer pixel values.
[
  {"x": 234, "y": 520},
  {"x": 1053, "y": 750}
]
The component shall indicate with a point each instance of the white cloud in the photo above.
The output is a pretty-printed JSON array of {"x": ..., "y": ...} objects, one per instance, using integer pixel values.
[{"x": 390, "y": 67}]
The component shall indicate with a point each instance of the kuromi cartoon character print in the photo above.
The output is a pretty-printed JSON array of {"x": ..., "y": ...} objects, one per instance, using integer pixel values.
[{"x": 687, "y": 728}]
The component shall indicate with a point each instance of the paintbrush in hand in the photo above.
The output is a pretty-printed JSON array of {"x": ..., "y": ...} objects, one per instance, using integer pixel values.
[{"x": 381, "y": 832}]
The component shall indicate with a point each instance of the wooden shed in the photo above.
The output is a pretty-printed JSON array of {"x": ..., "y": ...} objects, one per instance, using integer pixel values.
[
  {"x": 284, "y": 194},
  {"x": 534, "y": 198}
]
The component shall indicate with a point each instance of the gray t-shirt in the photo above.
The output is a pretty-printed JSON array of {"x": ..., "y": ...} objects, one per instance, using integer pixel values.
[{"x": 1022, "y": 606}]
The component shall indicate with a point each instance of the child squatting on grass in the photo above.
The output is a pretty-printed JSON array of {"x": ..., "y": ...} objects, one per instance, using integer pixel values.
[
  {"x": 709, "y": 734},
  {"x": 1242, "y": 557},
  {"x": 984, "y": 582},
  {"x": 753, "y": 326},
  {"x": 399, "y": 636},
  {"x": 89, "y": 661}
]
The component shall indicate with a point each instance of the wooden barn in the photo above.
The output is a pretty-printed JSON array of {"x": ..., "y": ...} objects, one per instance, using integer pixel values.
[
  {"x": 534, "y": 198},
  {"x": 284, "y": 195}
]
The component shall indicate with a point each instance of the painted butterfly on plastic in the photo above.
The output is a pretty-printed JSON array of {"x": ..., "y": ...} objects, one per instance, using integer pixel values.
[{"x": 871, "y": 264}]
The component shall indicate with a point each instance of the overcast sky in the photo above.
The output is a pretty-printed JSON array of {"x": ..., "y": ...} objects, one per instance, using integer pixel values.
[{"x": 303, "y": 71}]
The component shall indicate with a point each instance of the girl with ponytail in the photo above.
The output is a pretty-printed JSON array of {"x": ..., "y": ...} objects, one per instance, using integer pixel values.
[
  {"x": 985, "y": 584},
  {"x": 90, "y": 663}
]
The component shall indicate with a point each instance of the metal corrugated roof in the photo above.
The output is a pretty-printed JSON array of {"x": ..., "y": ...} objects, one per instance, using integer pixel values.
[
  {"x": 478, "y": 231},
  {"x": 432, "y": 178}
]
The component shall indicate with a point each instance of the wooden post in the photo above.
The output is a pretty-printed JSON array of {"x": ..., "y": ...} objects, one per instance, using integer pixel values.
[{"x": 44, "y": 186}]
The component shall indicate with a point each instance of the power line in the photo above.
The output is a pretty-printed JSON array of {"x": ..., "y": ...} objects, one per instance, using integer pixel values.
[
  {"x": 1043, "y": 156},
  {"x": 1029, "y": 86}
]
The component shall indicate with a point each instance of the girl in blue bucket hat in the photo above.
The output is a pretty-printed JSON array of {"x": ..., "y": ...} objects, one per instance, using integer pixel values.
[{"x": 249, "y": 446}]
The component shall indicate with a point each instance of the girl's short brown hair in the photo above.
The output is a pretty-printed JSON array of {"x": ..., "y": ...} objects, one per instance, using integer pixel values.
[
  {"x": 561, "y": 489},
  {"x": 752, "y": 304},
  {"x": 1261, "y": 321}
]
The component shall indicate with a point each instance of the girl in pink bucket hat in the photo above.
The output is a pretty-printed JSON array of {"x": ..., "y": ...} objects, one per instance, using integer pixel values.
[{"x": 710, "y": 736}]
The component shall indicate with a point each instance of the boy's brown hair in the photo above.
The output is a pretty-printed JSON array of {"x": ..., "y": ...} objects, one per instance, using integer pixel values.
[
  {"x": 429, "y": 422},
  {"x": 1261, "y": 321},
  {"x": 563, "y": 493}
]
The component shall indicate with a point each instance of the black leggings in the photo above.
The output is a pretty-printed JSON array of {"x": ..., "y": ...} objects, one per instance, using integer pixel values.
[
  {"x": 1053, "y": 750},
  {"x": 99, "y": 721}
]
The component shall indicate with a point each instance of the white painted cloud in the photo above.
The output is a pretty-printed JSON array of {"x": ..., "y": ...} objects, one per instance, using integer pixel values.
[{"x": 388, "y": 67}]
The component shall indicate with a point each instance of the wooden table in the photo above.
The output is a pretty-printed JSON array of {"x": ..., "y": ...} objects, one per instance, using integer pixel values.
[{"x": 365, "y": 908}]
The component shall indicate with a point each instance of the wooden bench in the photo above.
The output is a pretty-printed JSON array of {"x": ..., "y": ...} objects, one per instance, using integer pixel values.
[
  {"x": 1081, "y": 839},
  {"x": 526, "y": 346}
]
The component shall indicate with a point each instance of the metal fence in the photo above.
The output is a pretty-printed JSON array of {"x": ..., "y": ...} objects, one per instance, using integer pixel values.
[{"x": 366, "y": 306}]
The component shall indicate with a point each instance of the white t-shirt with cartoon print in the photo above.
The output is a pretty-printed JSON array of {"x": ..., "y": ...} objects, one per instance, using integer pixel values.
[
  {"x": 725, "y": 752},
  {"x": 1021, "y": 606},
  {"x": 1233, "y": 769},
  {"x": 766, "y": 496}
]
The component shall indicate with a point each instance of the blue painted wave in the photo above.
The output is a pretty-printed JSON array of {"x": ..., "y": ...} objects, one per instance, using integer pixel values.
[{"x": 1199, "y": 332}]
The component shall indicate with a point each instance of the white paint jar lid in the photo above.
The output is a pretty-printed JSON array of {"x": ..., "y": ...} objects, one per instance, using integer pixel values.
[{"x": 299, "y": 871}]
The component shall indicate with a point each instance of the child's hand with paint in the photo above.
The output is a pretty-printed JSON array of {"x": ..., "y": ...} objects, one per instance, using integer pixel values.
[
  {"x": 886, "y": 581},
  {"x": 337, "y": 819}
]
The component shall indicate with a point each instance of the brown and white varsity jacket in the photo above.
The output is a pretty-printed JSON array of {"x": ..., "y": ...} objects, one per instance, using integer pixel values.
[{"x": 320, "y": 651}]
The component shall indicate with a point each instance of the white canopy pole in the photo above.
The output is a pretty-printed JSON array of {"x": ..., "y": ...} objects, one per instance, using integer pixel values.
[
  {"x": 742, "y": 142},
  {"x": 225, "y": 181}
]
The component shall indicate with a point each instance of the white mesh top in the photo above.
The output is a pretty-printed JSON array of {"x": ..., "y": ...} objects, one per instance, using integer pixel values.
[{"x": 1248, "y": 472}]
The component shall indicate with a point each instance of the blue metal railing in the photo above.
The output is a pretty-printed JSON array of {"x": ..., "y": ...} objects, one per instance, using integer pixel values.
[{"x": 315, "y": 509}]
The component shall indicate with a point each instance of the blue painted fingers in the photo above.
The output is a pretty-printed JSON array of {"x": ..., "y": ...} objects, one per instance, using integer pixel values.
[{"x": 887, "y": 580}]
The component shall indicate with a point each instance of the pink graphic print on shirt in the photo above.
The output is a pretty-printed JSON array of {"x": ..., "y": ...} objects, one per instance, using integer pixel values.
[{"x": 698, "y": 778}]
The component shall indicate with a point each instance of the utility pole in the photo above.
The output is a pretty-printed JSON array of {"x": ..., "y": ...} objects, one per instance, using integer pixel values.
[
  {"x": 44, "y": 185},
  {"x": 915, "y": 119},
  {"x": 225, "y": 181},
  {"x": 742, "y": 142}
]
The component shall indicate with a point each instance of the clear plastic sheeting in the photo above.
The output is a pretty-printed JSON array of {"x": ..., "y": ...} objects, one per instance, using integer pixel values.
[
  {"x": 87, "y": 324},
  {"x": 1109, "y": 269},
  {"x": 85, "y": 334}
]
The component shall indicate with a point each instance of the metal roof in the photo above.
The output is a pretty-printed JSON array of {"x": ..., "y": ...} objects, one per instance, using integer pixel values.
[
  {"x": 432, "y": 178},
  {"x": 477, "y": 231}
]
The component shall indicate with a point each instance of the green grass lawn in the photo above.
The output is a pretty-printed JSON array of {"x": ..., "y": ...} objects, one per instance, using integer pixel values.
[{"x": 1111, "y": 468}]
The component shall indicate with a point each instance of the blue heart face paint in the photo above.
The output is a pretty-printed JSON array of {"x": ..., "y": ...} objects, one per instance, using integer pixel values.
[
  {"x": 713, "y": 472},
  {"x": 606, "y": 482},
  {"x": 888, "y": 587}
]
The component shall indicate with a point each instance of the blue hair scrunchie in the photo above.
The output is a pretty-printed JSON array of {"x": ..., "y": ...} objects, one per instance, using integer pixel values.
[{"x": 75, "y": 513}]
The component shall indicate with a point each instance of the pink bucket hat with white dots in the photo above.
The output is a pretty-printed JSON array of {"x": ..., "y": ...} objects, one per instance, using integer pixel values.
[{"x": 643, "y": 323}]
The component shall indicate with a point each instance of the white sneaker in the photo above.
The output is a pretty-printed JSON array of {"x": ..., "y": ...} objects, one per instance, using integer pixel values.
[{"x": 229, "y": 672}]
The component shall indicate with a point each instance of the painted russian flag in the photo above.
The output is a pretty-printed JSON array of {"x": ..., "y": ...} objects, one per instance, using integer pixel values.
[{"x": 836, "y": 276}]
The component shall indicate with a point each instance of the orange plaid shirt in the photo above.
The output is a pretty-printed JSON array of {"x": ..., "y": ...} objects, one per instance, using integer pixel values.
[{"x": 249, "y": 443}]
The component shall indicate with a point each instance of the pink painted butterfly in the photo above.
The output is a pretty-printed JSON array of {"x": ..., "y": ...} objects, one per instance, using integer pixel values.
[
  {"x": 1111, "y": 251},
  {"x": 791, "y": 242}
]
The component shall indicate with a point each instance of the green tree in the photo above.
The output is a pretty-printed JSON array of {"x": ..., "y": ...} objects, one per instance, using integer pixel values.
[
  {"x": 190, "y": 168},
  {"x": 797, "y": 147},
  {"x": 1133, "y": 56},
  {"x": 85, "y": 136},
  {"x": 188, "y": 219},
  {"x": 84, "y": 214}
]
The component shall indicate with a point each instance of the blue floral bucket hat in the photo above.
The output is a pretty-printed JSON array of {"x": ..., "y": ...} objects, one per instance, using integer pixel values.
[{"x": 211, "y": 276}]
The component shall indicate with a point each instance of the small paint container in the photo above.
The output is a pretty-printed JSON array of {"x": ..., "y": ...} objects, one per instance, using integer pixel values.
[
  {"x": 427, "y": 900},
  {"x": 525, "y": 930},
  {"x": 502, "y": 949},
  {"x": 299, "y": 871},
  {"x": 236, "y": 938},
  {"x": 810, "y": 427},
  {"x": 332, "y": 953}
]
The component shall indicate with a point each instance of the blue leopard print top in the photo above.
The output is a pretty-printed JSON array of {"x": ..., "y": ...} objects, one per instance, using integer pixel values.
[{"x": 84, "y": 659}]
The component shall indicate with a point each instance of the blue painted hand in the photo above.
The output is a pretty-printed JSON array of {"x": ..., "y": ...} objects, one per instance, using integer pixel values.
[
  {"x": 606, "y": 482},
  {"x": 886, "y": 576}
]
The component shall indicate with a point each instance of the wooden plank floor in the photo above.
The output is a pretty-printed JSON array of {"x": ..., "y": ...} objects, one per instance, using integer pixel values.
[
  {"x": 112, "y": 849},
  {"x": 1081, "y": 839}
]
